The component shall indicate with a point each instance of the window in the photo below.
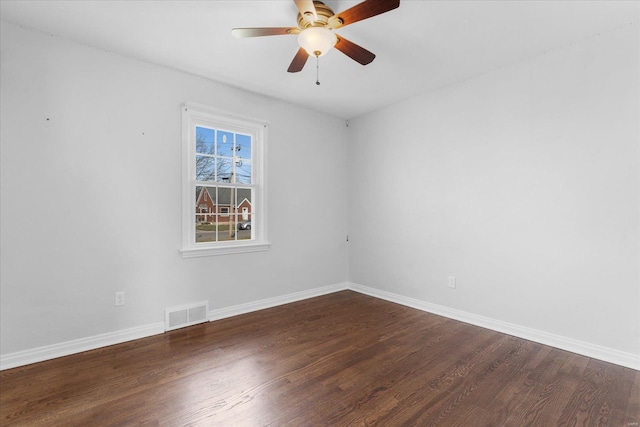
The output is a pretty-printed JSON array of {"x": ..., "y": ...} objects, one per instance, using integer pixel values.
[{"x": 223, "y": 200}]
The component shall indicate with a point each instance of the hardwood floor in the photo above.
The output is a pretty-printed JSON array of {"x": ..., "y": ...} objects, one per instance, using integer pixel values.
[{"x": 338, "y": 360}]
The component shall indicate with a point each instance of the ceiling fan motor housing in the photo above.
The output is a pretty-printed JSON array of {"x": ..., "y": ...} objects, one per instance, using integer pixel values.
[{"x": 323, "y": 13}]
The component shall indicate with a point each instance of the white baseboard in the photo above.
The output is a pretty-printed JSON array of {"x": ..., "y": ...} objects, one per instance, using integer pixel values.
[
  {"x": 40, "y": 354},
  {"x": 583, "y": 348},
  {"x": 223, "y": 313}
]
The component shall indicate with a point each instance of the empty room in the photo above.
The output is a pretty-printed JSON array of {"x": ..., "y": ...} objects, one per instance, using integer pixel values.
[{"x": 305, "y": 213}]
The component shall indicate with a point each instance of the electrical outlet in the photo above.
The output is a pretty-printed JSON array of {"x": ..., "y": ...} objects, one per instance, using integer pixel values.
[
  {"x": 119, "y": 300},
  {"x": 452, "y": 282}
]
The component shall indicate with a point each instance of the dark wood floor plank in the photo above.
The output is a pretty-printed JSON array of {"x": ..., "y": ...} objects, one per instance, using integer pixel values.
[
  {"x": 632, "y": 412},
  {"x": 479, "y": 385},
  {"x": 339, "y": 359},
  {"x": 525, "y": 400}
]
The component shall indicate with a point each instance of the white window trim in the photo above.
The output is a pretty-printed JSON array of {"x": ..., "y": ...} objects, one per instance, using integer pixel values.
[{"x": 197, "y": 114}]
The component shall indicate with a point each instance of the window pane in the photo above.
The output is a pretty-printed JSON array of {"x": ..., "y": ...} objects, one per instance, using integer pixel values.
[
  {"x": 243, "y": 171},
  {"x": 205, "y": 218},
  {"x": 224, "y": 143},
  {"x": 205, "y": 231},
  {"x": 244, "y": 198},
  {"x": 243, "y": 146},
  {"x": 244, "y": 209},
  {"x": 204, "y": 140},
  {"x": 205, "y": 168},
  {"x": 226, "y": 219},
  {"x": 224, "y": 169}
]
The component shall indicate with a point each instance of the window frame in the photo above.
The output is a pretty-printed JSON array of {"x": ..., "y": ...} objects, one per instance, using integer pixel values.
[{"x": 193, "y": 115}]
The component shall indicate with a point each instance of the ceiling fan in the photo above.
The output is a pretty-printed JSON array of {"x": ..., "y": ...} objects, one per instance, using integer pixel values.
[{"x": 316, "y": 22}]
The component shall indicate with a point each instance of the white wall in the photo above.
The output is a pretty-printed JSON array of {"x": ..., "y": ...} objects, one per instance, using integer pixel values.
[
  {"x": 90, "y": 200},
  {"x": 524, "y": 183}
]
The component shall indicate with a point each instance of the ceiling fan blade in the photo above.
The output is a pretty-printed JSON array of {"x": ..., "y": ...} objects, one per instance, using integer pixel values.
[
  {"x": 298, "y": 61},
  {"x": 266, "y": 31},
  {"x": 307, "y": 9},
  {"x": 364, "y": 10},
  {"x": 353, "y": 51}
]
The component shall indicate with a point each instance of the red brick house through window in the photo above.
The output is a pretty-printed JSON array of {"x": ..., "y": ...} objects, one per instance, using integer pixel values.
[{"x": 222, "y": 205}]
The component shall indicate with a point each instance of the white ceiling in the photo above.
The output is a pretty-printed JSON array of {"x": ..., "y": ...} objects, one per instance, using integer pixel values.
[{"x": 421, "y": 46}]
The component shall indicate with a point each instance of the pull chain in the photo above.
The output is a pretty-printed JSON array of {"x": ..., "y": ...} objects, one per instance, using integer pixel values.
[{"x": 318, "y": 70}]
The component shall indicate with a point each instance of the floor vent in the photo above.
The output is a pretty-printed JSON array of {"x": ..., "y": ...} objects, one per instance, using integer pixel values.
[{"x": 185, "y": 315}]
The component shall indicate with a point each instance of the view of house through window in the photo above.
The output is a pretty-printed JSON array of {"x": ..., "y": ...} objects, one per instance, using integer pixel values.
[{"x": 223, "y": 185}]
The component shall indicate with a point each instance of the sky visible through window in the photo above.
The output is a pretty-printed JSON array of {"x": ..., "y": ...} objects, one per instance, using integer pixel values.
[{"x": 223, "y": 156}]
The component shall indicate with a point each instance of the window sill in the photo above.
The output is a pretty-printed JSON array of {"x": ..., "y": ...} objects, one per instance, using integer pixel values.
[{"x": 225, "y": 250}]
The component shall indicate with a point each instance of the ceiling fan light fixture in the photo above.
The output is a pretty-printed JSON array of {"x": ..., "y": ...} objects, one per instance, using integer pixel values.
[{"x": 317, "y": 40}]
